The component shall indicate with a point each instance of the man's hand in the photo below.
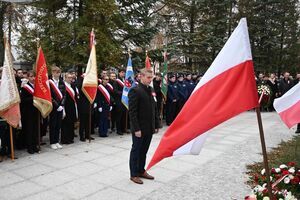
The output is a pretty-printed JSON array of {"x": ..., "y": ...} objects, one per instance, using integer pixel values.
[
  {"x": 156, "y": 130},
  {"x": 138, "y": 134}
]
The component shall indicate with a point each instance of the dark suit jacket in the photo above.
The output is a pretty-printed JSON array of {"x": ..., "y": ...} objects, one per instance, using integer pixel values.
[
  {"x": 70, "y": 106},
  {"x": 56, "y": 102},
  {"x": 143, "y": 114}
]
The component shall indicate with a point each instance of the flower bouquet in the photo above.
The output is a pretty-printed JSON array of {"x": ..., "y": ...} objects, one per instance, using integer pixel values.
[
  {"x": 285, "y": 181},
  {"x": 264, "y": 93}
]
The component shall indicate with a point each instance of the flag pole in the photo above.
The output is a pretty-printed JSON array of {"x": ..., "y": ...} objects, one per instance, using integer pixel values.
[
  {"x": 90, "y": 122},
  {"x": 38, "y": 113},
  {"x": 12, "y": 154},
  {"x": 264, "y": 151},
  {"x": 126, "y": 116}
]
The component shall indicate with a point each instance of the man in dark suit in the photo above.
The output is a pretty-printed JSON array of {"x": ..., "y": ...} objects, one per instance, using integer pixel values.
[
  {"x": 85, "y": 114},
  {"x": 30, "y": 115},
  {"x": 172, "y": 100},
  {"x": 58, "y": 94},
  {"x": 120, "y": 111},
  {"x": 71, "y": 112},
  {"x": 104, "y": 102},
  {"x": 143, "y": 122}
]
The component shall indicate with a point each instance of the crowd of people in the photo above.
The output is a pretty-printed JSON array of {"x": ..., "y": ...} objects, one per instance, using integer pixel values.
[{"x": 107, "y": 114}]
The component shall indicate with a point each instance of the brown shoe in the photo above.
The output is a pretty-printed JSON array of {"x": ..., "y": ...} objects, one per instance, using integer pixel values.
[
  {"x": 136, "y": 180},
  {"x": 147, "y": 176}
]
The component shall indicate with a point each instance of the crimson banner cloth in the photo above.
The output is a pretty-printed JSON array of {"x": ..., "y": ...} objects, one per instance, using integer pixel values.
[{"x": 42, "y": 95}]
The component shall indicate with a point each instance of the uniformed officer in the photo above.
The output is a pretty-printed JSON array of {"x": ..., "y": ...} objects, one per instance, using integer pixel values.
[
  {"x": 172, "y": 99},
  {"x": 183, "y": 93}
]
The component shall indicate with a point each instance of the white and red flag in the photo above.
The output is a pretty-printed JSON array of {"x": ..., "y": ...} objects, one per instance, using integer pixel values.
[
  {"x": 227, "y": 89},
  {"x": 42, "y": 96},
  {"x": 90, "y": 80},
  {"x": 9, "y": 94},
  {"x": 288, "y": 106}
]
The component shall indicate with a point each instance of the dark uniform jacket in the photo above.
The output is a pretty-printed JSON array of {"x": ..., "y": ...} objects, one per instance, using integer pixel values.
[
  {"x": 102, "y": 102},
  {"x": 183, "y": 92},
  {"x": 285, "y": 85},
  {"x": 29, "y": 112},
  {"x": 71, "y": 104},
  {"x": 142, "y": 109},
  {"x": 84, "y": 105},
  {"x": 172, "y": 93},
  {"x": 56, "y": 101}
]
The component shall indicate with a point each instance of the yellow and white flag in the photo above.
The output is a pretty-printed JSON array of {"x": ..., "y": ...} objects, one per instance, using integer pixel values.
[{"x": 90, "y": 80}]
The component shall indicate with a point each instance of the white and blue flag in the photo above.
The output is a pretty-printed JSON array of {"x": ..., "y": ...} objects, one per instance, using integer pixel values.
[{"x": 128, "y": 83}]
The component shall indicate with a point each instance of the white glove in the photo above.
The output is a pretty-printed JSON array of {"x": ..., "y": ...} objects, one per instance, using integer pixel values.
[
  {"x": 110, "y": 108},
  {"x": 64, "y": 113},
  {"x": 95, "y": 105},
  {"x": 100, "y": 109},
  {"x": 60, "y": 108}
]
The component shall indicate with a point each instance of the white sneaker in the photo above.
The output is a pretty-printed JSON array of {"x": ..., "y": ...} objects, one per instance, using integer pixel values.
[
  {"x": 53, "y": 146},
  {"x": 58, "y": 146}
]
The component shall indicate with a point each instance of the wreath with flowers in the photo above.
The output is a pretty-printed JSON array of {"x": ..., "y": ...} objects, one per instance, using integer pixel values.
[
  {"x": 264, "y": 94},
  {"x": 285, "y": 181}
]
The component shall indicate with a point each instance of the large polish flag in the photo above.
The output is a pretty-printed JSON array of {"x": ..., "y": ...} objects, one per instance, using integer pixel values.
[
  {"x": 288, "y": 106},
  {"x": 227, "y": 89}
]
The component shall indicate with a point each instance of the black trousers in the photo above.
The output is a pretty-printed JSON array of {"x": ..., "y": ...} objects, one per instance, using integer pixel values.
[
  {"x": 67, "y": 131},
  {"x": 44, "y": 126},
  {"x": 55, "y": 126},
  {"x": 121, "y": 118},
  {"x": 84, "y": 127},
  {"x": 171, "y": 112},
  {"x": 138, "y": 153},
  {"x": 31, "y": 132},
  {"x": 5, "y": 148},
  {"x": 113, "y": 118},
  {"x": 103, "y": 122}
]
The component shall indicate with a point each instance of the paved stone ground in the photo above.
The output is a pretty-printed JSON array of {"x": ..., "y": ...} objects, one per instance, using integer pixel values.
[{"x": 99, "y": 170}]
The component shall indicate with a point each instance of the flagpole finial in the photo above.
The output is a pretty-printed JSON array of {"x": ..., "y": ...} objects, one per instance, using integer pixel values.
[
  {"x": 37, "y": 42},
  {"x": 129, "y": 53},
  {"x": 146, "y": 52}
]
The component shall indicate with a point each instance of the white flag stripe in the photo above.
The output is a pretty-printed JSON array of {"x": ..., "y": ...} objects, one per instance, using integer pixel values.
[
  {"x": 193, "y": 147},
  {"x": 226, "y": 59}
]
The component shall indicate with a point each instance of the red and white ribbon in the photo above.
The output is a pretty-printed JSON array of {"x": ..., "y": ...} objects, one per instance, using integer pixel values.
[
  {"x": 56, "y": 89},
  {"x": 105, "y": 93}
]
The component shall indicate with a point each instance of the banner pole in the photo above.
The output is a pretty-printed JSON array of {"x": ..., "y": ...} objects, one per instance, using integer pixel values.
[
  {"x": 11, "y": 144},
  {"x": 90, "y": 122},
  {"x": 39, "y": 130},
  {"x": 264, "y": 151}
]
